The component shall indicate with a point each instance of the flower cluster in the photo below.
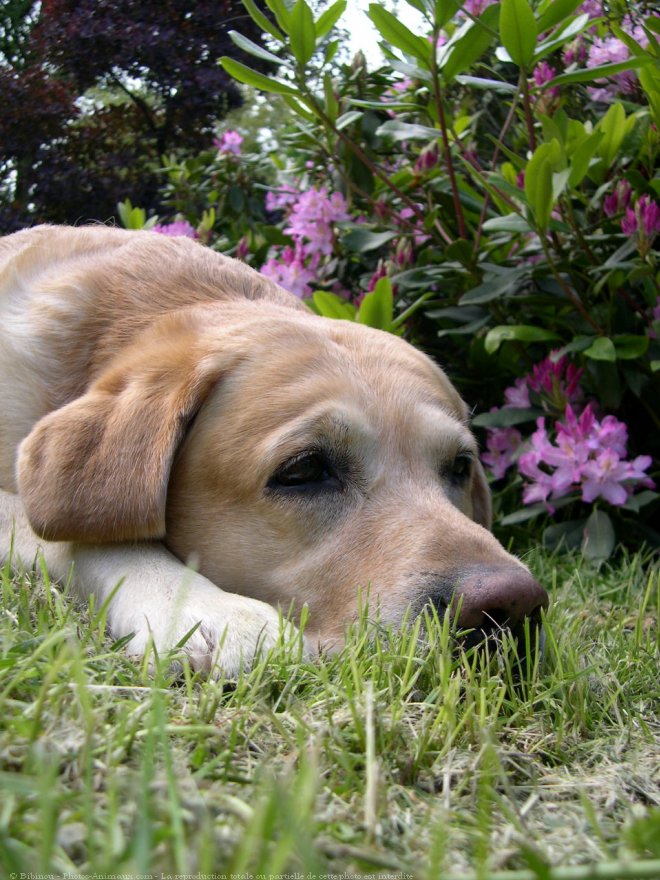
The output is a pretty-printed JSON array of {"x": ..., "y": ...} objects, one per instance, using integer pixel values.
[
  {"x": 586, "y": 453},
  {"x": 177, "y": 227},
  {"x": 555, "y": 384},
  {"x": 610, "y": 50},
  {"x": 643, "y": 217},
  {"x": 229, "y": 143},
  {"x": 312, "y": 215}
]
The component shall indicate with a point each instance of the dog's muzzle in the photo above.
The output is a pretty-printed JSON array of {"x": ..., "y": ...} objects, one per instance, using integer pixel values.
[{"x": 491, "y": 602}]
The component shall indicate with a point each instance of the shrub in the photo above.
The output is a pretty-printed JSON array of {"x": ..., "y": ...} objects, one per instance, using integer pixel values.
[{"x": 494, "y": 188}]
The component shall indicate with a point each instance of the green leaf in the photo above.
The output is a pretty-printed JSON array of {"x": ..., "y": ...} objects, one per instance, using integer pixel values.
[
  {"x": 629, "y": 346},
  {"x": 467, "y": 44},
  {"x": 250, "y": 77},
  {"x": 331, "y": 103},
  {"x": 506, "y": 417},
  {"x": 302, "y": 32},
  {"x": 508, "y": 223},
  {"x": 493, "y": 288},
  {"x": 581, "y": 157},
  {"x": 236, "y": 199},
  {"x": 253, "y": 49},
  {"x": 362, "y": 240},
  {"x": 377, "y": 308},
  {"x": 566, "y": 535},
  {"x": 329, "y": 305},
  {"x": 649, "y": 78},
  {"x": 281, "y": 13},
  {"x": 601, "y": 349},
  {"x": 640, "y": 500},
  {"x": 443, "y": 10},
  {"x": 328, "y": 19},
  {"x": 533, "y": 510},
  {"x": 539, "y": 182},
  {"x": 599, "y": 538},
  {"x": 518, "y": 31},
  {"x": 489, "y": 85},
  {"x": 407, "y": 131},
  {"x": 262, "y": 21},
  {"x": 331, "y": 50},
  {"x": 396, "y": 33},
  {"x": 591, "y": 73},
  {"x": 299, "y": 109},
  {"x": 579, "y": 343},
  {"x": 554, "y": 11},
  {"x": 575, "y": 27},
  {"x": 613, "y": 127},
  {"x": 348, "y": 118},
  {"x": 519, "y": 333}
]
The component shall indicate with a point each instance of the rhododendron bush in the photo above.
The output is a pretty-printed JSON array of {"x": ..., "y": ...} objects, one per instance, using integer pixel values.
[{"x": 492, "y": 192}]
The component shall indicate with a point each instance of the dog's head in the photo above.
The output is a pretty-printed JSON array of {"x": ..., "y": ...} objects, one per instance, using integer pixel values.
[{"x": 293, "y": 459}]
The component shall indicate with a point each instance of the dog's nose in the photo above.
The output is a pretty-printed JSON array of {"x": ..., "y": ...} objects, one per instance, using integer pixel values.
[{"x": 490, "y": 600}]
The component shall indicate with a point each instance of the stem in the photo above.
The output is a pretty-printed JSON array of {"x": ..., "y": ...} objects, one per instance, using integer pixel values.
[
  {"x": 574, "y": 298},
  {"x": 528, "y": 109},
  {"x": 575, "y": 226},
  {"x": 493, "y": 161},
  {"x": 315, "y": 107},
  {"x": 440, "y": 110}
]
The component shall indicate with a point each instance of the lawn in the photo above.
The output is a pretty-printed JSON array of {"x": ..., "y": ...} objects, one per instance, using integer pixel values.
[{"x": 396, "y": 757}]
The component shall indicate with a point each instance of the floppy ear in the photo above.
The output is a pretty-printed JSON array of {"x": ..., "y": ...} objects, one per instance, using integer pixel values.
[
  {"x": 97, "y": 469},
  {"x": 482, "y": 509}
]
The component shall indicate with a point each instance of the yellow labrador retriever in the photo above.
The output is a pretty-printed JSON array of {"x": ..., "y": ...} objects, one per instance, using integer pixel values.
[{"x": 163, "y": 404}]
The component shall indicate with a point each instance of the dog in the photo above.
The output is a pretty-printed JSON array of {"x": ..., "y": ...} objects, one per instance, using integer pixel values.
[{"x": 176, "y": 423}]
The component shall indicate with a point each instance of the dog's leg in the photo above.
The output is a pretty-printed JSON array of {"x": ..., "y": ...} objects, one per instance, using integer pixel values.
[{"x": 158, "y": 596}]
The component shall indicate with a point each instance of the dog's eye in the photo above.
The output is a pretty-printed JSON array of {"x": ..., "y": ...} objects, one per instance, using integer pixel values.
[
  {"x": 308, "y": 471},
  {"x": 461, "y": 468}
]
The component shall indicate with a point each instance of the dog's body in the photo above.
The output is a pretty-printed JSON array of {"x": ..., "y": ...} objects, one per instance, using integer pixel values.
[{"x": 164, "y": 404}]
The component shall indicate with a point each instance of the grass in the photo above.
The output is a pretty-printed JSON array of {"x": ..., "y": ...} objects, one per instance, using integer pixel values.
[{"x": 395, "y": 757}]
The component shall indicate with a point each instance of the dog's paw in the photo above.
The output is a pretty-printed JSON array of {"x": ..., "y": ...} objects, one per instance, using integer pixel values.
[{"x": 231, "y": 631}]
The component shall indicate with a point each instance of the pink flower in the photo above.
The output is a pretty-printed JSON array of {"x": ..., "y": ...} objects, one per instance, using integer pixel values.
[
  {"x": 229, "y": 143},
  {"x": 618, "y": 199},
  {"x": 408, "y": 214},
  {"x": 381, "y": 272},
  {"x": 575, "y": 51},
  {"x": 313, "y": 216},
  {"x": 593, "y": 8},
  {"x": 290, "y": 272},
  {"x": 540, "y": 486},
  {"x": 603, "y": 477},
  {"x": 643, "y": 218},
  {"x": 558, "y": 380},
  {"x": 588, "y": 454},
  {"x": 502, "y": 444},
  {"x": 427, "y": 159},
  {"x": 543, "y": 73},
  {"x": 281, "y": 198},
  {"x": 476, "y": 7},
  {"x": 610, "y": 50},
  {"x": 242, "y": 248},
  {"x": 517, "y": 395},
  {"x": 610, "y": 434},
  {"x": 177, "y": 227}
]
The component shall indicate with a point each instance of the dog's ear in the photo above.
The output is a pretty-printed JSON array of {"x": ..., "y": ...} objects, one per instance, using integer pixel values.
[
  {"x": 97, "y": 469},
  {"x": 482, "y": 508}
]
